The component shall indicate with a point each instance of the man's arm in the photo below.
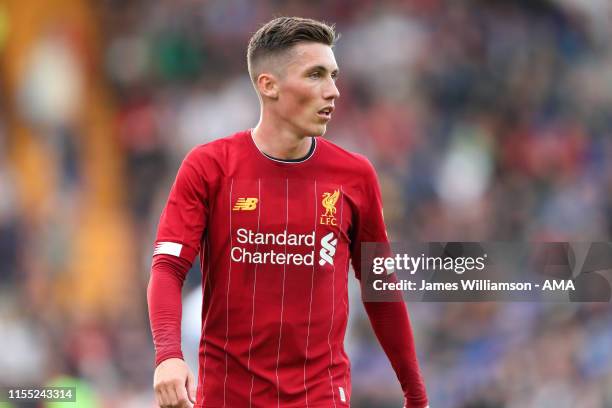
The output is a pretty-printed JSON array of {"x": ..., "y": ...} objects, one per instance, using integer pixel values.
[
  {"x": 173, "y": 382},
  {"x": 389, "y": 320},
  {"x": 179, "y": 236},
  {"x": 392, "y": 327},
  {"x": 165, "y": 307}
]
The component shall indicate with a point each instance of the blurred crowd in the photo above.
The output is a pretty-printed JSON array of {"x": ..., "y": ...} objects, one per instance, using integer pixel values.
[{"x": 486, "y": 121}]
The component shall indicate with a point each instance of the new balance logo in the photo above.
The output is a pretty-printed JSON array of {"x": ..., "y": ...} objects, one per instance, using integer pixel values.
[
  {"x": 328, "y": 249},
  {"x": 245, "y": 204}
]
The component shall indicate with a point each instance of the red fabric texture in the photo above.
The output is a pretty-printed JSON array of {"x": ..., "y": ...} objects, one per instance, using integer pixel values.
[
  {"x": 392, "y": 327},
  {"x": 164, "y": 299}
]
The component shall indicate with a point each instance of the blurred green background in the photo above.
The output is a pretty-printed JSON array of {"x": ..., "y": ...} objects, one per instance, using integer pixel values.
[{"x": 486, "y": 120}]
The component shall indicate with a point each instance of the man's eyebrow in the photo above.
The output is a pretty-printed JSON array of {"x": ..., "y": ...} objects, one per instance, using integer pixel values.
[{"x": 322, "y": 68}]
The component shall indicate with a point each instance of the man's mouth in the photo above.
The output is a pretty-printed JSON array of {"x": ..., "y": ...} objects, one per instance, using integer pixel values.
[{"x": 326, "y": 112}]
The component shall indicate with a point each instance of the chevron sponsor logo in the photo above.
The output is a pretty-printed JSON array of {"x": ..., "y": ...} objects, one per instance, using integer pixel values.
[{"x": 328, "y": 249}]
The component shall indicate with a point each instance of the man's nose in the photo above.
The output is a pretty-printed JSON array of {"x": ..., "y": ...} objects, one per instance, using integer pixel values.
[{"x": 331, "y": 90}]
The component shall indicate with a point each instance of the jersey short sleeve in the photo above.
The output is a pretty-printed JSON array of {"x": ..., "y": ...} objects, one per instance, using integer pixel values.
[{"x": 184, "y": 218}]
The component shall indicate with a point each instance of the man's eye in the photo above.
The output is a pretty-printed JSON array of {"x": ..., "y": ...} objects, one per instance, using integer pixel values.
[{"x": 315, "y": 75}]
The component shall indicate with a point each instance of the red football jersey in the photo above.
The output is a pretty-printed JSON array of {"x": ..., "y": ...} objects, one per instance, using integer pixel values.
[{"x": 275, "y": 239}]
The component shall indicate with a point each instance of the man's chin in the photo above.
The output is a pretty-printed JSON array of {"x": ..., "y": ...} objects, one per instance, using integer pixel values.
[
  {"x": 319, "y": 130},
  {"x": 313, "y": 130}
]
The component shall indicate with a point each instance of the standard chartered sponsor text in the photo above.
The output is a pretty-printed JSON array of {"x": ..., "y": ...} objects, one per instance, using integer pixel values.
[
  {"x": 246, "y": 236},
  {"x": 273, "y": 257}
]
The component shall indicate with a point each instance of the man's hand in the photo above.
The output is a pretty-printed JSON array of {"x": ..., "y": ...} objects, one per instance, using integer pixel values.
[{"x": 174, "y": 384}]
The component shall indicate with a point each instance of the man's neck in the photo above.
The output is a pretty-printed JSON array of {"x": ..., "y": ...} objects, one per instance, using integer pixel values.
[{"x": 280, "y": 143}]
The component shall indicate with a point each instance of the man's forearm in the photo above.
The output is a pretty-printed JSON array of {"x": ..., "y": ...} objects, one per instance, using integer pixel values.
[
  {"x": 391, "y": 325},
  {"x": 165, "y": 307}
]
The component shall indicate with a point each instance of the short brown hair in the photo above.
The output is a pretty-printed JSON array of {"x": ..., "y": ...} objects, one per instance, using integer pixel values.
[{"x": 281, "y": 33}]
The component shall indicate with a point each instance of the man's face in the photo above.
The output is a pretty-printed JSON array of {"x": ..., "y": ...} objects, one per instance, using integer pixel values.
[{"x": 307, "y": 89}]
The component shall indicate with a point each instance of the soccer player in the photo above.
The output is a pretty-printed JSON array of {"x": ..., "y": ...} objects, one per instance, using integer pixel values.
[{"x": 276, "y": 213}]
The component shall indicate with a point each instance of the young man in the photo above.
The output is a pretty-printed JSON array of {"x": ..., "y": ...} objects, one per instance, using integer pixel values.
[{"x": 275, "y": 214}]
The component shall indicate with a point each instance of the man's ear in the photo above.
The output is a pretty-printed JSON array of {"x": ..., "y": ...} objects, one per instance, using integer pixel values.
[{"x": 267, "y": 84}]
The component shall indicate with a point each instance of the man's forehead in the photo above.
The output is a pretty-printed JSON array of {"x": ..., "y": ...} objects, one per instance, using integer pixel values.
[{"x": 311, "y": 55}]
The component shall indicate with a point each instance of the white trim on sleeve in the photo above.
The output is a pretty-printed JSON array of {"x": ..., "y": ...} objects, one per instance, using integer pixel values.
[{"x": 168, "y": 248}]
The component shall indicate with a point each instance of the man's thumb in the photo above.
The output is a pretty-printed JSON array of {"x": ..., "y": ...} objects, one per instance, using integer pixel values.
[{"x": 191, "y": 387}]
